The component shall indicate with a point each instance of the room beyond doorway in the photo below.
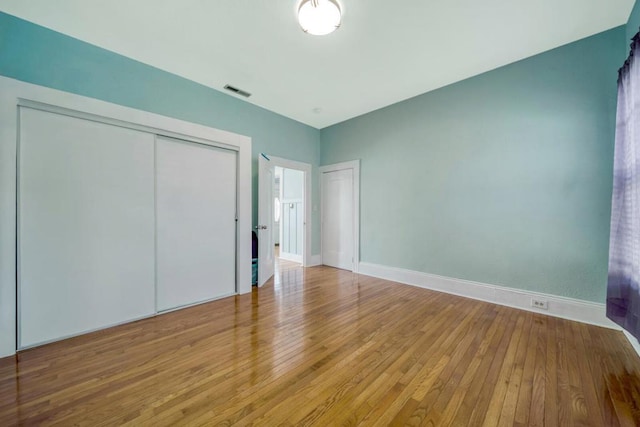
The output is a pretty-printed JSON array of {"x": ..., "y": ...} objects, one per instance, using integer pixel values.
[
  {"x": 282, "y": 264},
  {"x": 284, "y": 213},
  {"x": 288, "y": 217}
]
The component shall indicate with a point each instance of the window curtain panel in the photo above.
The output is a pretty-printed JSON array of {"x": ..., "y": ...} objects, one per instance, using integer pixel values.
[{"x": 623, "y": 293}]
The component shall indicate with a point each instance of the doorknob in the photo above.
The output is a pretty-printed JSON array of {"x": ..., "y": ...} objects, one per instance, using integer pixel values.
[{"x": 261, "y": 227}]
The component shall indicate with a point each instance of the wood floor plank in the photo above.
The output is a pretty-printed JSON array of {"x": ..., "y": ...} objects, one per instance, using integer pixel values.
[
  {"x": 565, "y": 412},
  {"x": 496, "y": 403},
  {"x": 448, "y": 415},
  {"x": 510, "y": 401},
  {"x": 487, "y": 384},
  {"x": 431, "y": 409},
  {"x": 619, "y": 379},
  {"x": 592, "y": 407},
  {"x": 321, "y": 346},
  {"x": 537, "y": 407},
  {"x": 551, "y": 375},
  {"x": 469, "y": 410}
]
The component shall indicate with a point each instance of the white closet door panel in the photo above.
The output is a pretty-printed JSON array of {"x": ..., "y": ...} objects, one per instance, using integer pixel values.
[
  {"x": 86, "y": 232},
  {"x": 196, "y": 228},
  {"x": 337, "y": 221}
]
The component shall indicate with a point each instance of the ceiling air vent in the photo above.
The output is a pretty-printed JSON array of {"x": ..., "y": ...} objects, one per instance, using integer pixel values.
[{"x": 237, "y": 91}]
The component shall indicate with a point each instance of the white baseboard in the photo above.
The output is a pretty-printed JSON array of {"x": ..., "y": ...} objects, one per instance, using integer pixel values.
[
  {"x": 315, "y": 260},
  {"x": 566, "y": 308},
  {"x": 290, "y": 257}
]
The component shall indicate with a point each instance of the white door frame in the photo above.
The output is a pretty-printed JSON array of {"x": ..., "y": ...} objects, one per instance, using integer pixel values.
[
  {"x": 306, "y": 201},
  {"x": 355, "y": 166},
  {"x": 14, "y": 93}
]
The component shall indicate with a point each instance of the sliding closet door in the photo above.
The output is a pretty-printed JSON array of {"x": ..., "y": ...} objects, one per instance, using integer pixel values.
[
  {"x": 85, "y": 226},
  {"x": 196, "y": 226}
]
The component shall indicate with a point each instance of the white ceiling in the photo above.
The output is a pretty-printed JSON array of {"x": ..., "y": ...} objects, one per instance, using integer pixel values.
[{"x": 385, "y": 51}]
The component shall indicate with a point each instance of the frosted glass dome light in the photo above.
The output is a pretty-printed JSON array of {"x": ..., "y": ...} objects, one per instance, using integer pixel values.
[{"x": 319, "y": 17}]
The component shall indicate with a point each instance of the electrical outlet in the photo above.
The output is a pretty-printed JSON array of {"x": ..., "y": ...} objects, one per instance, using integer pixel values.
[{"x": 539, "y": 303}]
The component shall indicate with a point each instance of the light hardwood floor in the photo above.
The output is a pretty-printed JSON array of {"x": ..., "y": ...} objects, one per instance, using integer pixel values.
[{"x": 321, "y": 346}]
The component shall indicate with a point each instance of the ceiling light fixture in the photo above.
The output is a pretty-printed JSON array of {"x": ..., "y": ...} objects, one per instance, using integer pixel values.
[{"x": 319, "y": 17}]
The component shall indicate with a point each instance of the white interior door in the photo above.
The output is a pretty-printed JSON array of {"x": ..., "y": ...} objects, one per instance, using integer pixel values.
[
  {"x": 265, "y": 220},
  {"x": 337, "y": 219},
  {"x": 85, "y": 226},
  {"x": 196, "y": 222}
]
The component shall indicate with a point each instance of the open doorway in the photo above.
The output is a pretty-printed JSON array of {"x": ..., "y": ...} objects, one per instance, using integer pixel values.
[
  {"x": 288, "y": 204},
  {"x": 284, "y": 216}
]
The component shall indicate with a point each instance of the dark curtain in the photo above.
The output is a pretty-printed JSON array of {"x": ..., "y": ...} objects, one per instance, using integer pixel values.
[{"x": 623, "y": 294}]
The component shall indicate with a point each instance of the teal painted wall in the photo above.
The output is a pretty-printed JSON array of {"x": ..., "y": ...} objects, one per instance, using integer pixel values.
[
  {"x": 38, "y": 55},
  {"x": 633, "y": 25},
  {"x": 504, "y": 178}
]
